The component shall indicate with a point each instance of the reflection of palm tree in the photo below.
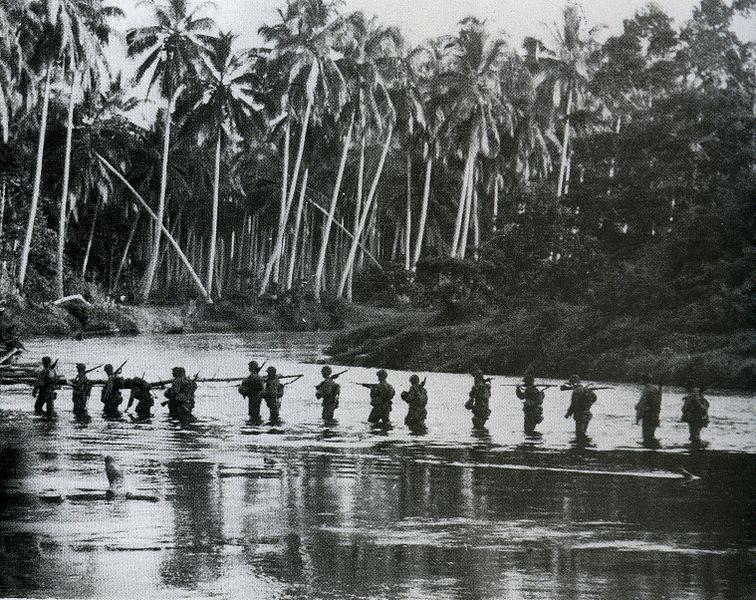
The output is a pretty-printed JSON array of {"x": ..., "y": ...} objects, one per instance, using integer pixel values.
[{"x": 172, "y": 48}]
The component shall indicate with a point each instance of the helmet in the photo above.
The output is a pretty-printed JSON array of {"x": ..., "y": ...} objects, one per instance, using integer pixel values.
[
  {"x": 528, "y": 380},
  {"x": 108, "y": 368},
  {"x": 477, "y": 373},
  {"x": 81, "y": 367},
  {"x": 574, "y": 379},
  {"x": 253, "y": 366},
  {"x": 47, "y": 361},
  {"x": 382, "y": 374},
  {"x": 326, "y": 371},
  {"x": 414, "y": 379},
  {"x": 271, "y": 369},
  {"x": 178, "y": 371}
]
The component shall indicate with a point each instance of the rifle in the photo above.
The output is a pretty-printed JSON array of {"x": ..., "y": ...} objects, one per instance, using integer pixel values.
[
  {"x": 294, "y": 380},
  {"x": 422, "y": 385},
  {"x": 369, "y": 386},
  {"x": 88, "y": 371},
  {"x": 119, "y": 369},
  {"x": 538, "y": 385},
  {"x": 332, "y": 377}
]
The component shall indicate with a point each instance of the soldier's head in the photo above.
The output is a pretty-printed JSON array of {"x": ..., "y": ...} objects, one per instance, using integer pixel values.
[
  {"x": 108, "y": 369},
  {"x": 528, "y": 380},
  {"x": 326, "y": 371},
  {"x": 81, "y": 368},
  {"x": 382, "y": 375},
  {"x": 254, "y": 367},
  {"x": 647, "y": 378},
  {"x": 271, "y": 371},
  {"x": 414, "y": 379},
  {"x": 574, "y": 380},
  {"x": 477, "y": 374},
  {"x": 178, "y": 371},
  {"x": 46, "y": 361}
]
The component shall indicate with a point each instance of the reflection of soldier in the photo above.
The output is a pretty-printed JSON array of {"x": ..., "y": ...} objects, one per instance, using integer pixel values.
[
  {"x": 580, "y": 405},
  {"x": 328, "y": 391},
  {"x": 44, "y": 387},
  {"x": 82, "y": 389},
  {"x": 478, "y": 403},
  {"x": 111, "y": 392},
  {"x": 251, "y": 388},
  {"x": 180, "y": 395},
  {"x": 647, "y": 410},
  {"x": 417, "y": 399},
  {"x": 381, "y": 395},
  {"x": 695, "y": 412},
  {"x": 533, "y": 405},
  {"x": 273, "y": 394},
  {"x": 140, "y": 391}
]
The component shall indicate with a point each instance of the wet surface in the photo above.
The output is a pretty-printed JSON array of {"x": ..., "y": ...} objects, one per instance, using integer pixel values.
[{"x": 305, "y": 510}]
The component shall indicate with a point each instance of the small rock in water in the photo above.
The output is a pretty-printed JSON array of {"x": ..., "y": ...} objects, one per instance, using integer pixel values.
[{"x": 115, "y": 476}]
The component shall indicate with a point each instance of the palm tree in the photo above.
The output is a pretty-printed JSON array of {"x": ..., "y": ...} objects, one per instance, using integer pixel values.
[
  {"x": 468, "y": 92},
  {"x": 563, "y": 71},
  {"x": 83, "y": 24},
  {"x": 223, "y": 106},
  {"x": 303, "y": 50},
  {"x": 172, "y": 48}
]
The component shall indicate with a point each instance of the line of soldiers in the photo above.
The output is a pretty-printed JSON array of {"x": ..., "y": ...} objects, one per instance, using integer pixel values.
[{"x": 270, "y": 388}]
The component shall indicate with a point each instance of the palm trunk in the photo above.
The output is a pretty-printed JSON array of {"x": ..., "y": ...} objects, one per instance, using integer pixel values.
[
  {"x": 423, "y": 213},
  {"x": 155, "y": 256},
  {"x": 64, "y": 195},
  {"x": 408, "y": 226},
  {"x": 85, "y": 263},
  {"x": 37, "y": 180},
  {"x": 568, "y": 174},
  {"x": 214, "y": 223},
  {"x": 495, "y": 217},
  {"x": 476, "y": 227},
  {"x": 471, "y": 152},
  {"x": 297, "y": 224},
  {"x": 357, "y": 208},
  {"x": 3, "y": 196},
  {"x": 163, "y": 230},
  {"x": 126, "y": 249},
  {"x": 462, "y": 250},
  {"x": 398, "y": 240},
  {"x": 332, "y": 212},
  {"x": 364, "y": 216},
  {"x": 565, "y": 144}
]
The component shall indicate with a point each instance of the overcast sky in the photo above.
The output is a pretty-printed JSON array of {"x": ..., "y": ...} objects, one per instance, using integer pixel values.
[{"x": 420, "y": 19}]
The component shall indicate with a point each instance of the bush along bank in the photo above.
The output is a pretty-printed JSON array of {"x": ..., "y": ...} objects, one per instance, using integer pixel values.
[{"x": 553, "y": 343}]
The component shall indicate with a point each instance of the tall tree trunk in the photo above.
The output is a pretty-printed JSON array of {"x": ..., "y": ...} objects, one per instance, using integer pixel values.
[
  {"x": 126, "y": 249},
  {"x": 3, "y": 197},
  {"x": 85, "y": 263},
  {"x": 331, "y": 212},
  {"x": 357, "y": 208},
  {"x": 297, "y": 224},
  {"x": 64, "y": 195},
  {"x": 365, "y": 213},
  {"x": 463, "y": 194},
  {"x": 568, "y": 174},
  {"x": 37, "y": 180},
  {"x": 462, "y": 250},
  {"x": 476, "y": 226},
  {"x": 565, "y": 144},
  {"x": 214, "y": 222},
  {"x": 155, "y": 256},
  {"x": 408, "y": 225},
  {"x": 423, "y": 213},
  {"x": 398, "y": 240},
  {"x": 163, "y": 230},
  {"x": 495, "y": 217}
]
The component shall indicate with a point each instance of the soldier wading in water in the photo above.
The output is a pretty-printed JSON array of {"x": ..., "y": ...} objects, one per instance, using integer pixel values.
[
  {"x": 580, "y": 405},
  {"x": 44, "y": 388},
  {"x": 417, "y": 399},
  {"x": 381, "y": 395},
  {"x": 533, "y": 405},
  {"x": 180, "y": 395},
  {"x": 111, "y": 397},
  {"x": 273, "y": 394},
  {"x": 647, "y": 411},
  {"x": 82, "y": 389},
  {"x": 478, "y": 403},
  {"x": 252, "y": 388},
  {"x": 695, "y": 412},
  {"x": 328, "y": 391}
]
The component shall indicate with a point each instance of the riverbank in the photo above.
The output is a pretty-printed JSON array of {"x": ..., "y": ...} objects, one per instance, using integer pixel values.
[
  {"x": 572, "y": 339},
  {"x": 107, "y": 318}
]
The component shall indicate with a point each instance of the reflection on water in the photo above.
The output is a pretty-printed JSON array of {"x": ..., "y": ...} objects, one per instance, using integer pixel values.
[{"x": 309, "y": 510}]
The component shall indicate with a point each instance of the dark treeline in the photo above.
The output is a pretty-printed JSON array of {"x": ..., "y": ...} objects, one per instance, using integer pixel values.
[{"x": 609, "y": 172}]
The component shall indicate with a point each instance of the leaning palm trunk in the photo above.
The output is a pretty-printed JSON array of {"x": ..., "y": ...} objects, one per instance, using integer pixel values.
[
  {"x": 64, "y": 195},
  {"x": 214, "y": 224},
  {"x": 162, "y": 227},
  {"x": 90, "y": 239},
  {"x": 364, "y": 216},
  {"x": 472, "y": 151},
  {"x": 565, "y": 144},
  {"x": 3, "y": 195},
  {"x": 462, "y": 250},
  {"x": 423, "y": 213},
  {"x": 155, "y": 256},
  {"x": 37, "y": 181},
  {"x": 125, "y": 255},
  {"x": 297, "y": 225},
  {"x": 331, "y": 212},
  {"x": 495, "y": 216},
  {"x": 357, "y": 208},
  {"x": 476, "y": 227}
]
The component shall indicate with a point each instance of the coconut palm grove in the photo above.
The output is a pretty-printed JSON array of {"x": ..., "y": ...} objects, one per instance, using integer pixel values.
[{"x": 583, "y": 200}]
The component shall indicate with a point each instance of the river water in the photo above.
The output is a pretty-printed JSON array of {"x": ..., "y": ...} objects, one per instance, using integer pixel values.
[{"x": 304, "y": 510}]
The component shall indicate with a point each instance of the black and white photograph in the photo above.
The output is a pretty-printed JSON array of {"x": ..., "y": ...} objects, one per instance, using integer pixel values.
[{"x": 378, "y": 299}]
